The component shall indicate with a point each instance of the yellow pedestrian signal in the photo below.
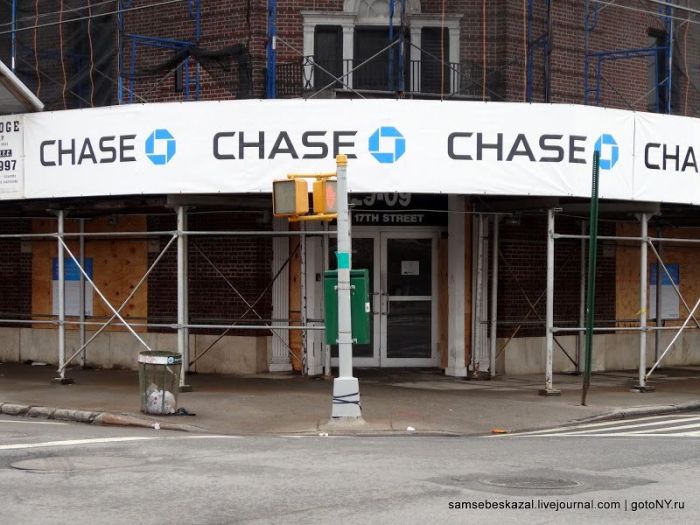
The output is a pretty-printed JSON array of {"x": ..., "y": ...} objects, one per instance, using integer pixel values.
[
  {"x": 290, "y": 198},
  {"x": 325, "y": 196}
]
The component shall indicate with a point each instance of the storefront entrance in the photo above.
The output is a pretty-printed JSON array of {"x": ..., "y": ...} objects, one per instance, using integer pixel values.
[{"x": 402, "y": 268}]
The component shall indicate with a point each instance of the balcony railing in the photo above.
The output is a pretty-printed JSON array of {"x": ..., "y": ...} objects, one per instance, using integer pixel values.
[{"x": 416, "y": 78}]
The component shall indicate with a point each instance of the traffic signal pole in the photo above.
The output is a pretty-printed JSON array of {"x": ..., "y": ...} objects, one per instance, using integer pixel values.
[
  {"x": 346, "y": 388},
  {"x": 290, "y": 198}
]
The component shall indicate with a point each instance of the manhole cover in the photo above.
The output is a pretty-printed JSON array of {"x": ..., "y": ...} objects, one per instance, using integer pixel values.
[
  {"x": 531, "y": 483},
  {"x": 74, "y": 463}
]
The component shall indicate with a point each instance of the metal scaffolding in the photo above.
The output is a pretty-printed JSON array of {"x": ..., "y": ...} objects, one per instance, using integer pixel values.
[
  {"x": 490, "y": 266},
  {"x": 182, "y": 237},
  {"x": 661, "y": 55},
  {"x": 532, "y": 318},
  {"x": 129, "y": 44},
  {"x": 646, "y": 243},
  {"x": 535, "y": 44}
]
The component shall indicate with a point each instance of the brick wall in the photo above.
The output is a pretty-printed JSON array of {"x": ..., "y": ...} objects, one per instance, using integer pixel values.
[
  {"x": 523, "y": 276},
  {"x": 245, "y": 261},
  {"x": 492, "y": 34},
  {"x": 15, "y": 273},
  {"x": 223, "y": 24}
]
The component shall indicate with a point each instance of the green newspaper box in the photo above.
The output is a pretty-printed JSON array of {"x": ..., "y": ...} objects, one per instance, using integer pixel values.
[{"x": 360, "y": 307}]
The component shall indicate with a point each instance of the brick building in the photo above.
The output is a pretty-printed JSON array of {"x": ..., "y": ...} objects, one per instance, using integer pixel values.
[{"x": 635, "y": 55}]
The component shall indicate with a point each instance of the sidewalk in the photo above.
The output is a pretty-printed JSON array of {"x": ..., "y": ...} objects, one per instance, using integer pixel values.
[{"x": 391, "y": 400}]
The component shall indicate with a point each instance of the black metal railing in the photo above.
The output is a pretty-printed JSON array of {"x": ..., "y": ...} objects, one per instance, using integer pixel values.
[{"x": 417, "y": 77}]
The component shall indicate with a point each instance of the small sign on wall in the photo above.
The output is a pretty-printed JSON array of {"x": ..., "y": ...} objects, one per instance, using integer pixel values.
[
  {"x": 410, "y": 267},
  {"x": 72, "y": 287},
  {"x": 11, "y": 158},
  {"x": 670, "y": 303}
]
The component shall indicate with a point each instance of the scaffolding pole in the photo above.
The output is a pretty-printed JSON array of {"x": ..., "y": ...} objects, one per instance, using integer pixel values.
[
  {"x": 60, "y": 270},
  {"x": 658, "y": 307},
  {"x": 61, "y": 295},
  {"x": 13, "y": 45},
  {"x": 182, "y": 303},
  {"x": 582, "y": 298},
  {"x": 494, "y": 297},
  {"x": 271, "y": 90},
  {"x": 643, "y": 266},
  {"x": 81, "y": 291},
  {"x": 549, "y": 389},
  {"x": 543, "y": 42},
  {"x": 478, "y": 298}
]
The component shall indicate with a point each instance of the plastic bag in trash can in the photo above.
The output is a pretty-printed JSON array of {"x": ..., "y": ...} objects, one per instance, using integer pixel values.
[{"x": 155, "y": 403}]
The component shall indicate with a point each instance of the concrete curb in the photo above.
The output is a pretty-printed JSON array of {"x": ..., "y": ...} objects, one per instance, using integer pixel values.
[
  {"x": 628, "y": 413},
  {"x": 359, "y": 429},
  {"x": 12, "y": 409},
  {"x": 91, "y": 418},
  {"x": 377, "y": 428},
  {"x": 126, "y": 420}
]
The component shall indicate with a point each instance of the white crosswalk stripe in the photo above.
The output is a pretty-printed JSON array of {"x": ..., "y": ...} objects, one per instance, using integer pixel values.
[{"x": 676, "y": 425}]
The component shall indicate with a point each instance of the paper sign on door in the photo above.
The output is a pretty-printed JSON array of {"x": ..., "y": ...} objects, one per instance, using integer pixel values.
[{"x": 410, "y": 267}]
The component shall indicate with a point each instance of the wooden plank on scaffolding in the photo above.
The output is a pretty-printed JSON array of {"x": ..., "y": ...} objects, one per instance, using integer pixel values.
[
  {"x": 627, "y": 274},
  {"x": 295, "y": 336},
  {"x": 118, "y": 265}
]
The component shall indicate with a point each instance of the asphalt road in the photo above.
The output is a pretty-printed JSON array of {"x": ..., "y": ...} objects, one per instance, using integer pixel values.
[{"x": 631, "y": 472}]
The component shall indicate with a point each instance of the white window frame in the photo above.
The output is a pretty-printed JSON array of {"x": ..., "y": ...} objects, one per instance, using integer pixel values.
[
  {"x": 350, "y": 18},
  {"x": 452, "y": 24}
]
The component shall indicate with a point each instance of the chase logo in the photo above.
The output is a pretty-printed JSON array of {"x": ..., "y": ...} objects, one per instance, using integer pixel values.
[
  {"x": 387, "y": 144},
  {"x": 609, "y": 151},
  {"x": 160, "y": 147}
]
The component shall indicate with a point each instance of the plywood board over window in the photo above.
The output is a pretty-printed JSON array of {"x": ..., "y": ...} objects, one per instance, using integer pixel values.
[
  {"x": 118, "y": 265},
  {"x": 296, "y": 341},
  {"x": 684, "y": 255}
]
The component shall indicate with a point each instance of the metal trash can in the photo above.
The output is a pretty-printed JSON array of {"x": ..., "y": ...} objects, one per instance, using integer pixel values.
[{"x": 159, "y": 380}]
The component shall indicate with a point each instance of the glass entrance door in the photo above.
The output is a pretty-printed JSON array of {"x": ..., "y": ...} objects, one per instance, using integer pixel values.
[
  {"x": 403, "y": 279},
  {"x": 409, "y": 306}
]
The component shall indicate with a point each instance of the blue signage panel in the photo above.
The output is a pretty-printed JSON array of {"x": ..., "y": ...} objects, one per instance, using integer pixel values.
[
  {"x": 70, "y": 269},
  {"x": 673, "y": 269}
]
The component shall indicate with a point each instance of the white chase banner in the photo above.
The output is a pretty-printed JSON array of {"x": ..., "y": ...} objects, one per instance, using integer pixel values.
[
  {"x": 11, "y": 157},
  {"x": 393, "y": 145},
  {"x": 667, "y": 150}
]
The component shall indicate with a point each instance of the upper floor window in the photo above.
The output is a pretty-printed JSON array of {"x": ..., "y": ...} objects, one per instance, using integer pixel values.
[
  {"x": 369, "y": 48},
  {"x": 659, "y": 94}
]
